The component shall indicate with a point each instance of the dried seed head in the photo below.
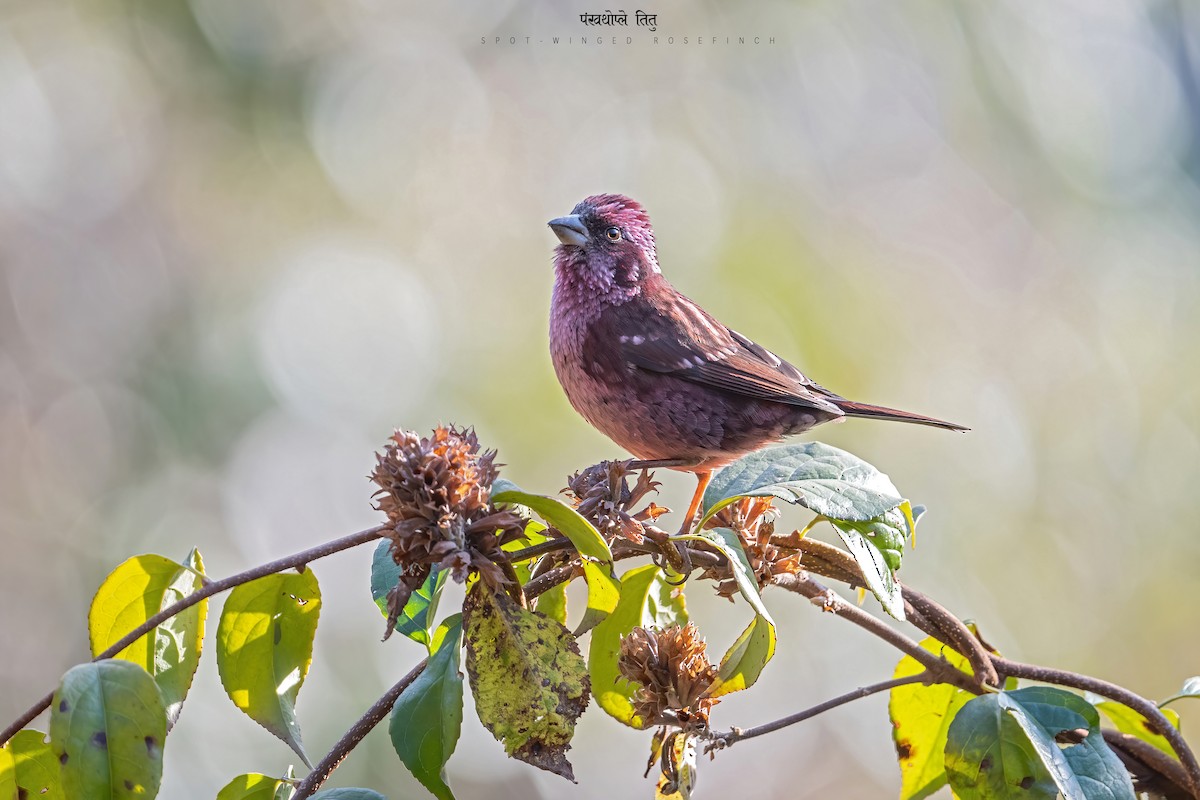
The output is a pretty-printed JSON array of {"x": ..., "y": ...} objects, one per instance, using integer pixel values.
[
  {"x": 436, "y": 493},
  {"x": 603, "y": 496},
  {"x": 673, "y": 670},
  {"x": 753, "y": 518}
]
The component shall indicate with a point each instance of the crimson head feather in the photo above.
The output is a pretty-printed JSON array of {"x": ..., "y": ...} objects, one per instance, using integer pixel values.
[{"x": 607, "y": 243}]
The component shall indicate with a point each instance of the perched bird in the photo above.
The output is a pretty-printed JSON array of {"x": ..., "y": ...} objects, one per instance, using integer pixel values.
[{"x": 658, "y": 374}]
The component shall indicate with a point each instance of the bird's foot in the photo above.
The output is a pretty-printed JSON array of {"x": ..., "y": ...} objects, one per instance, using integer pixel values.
[
  {"x": 685, "y": 567},
  {"x": 672, "y": 556}
]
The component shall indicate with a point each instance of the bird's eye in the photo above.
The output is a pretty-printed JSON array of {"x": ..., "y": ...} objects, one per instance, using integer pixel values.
[{"x": 613, "y": 234}]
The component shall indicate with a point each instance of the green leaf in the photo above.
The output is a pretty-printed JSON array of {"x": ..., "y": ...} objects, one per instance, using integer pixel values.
[
  {"x": 888, "y": 532},
  {"x": 1042, "y": 740},
  {"x": 604, "y": 590},
  {"x": 427, "y": 718},
  {"x": 1191, "y": 688},
  {"x": 137, "y": 590},
  {"x": 989, "y": 756},
  {"x": 255, "y": 786},
  {"x": 535, "y": 533},
  {"x": 1045, "y": 713},
  {"x": 29, "y": 768},
  {"x": 1132, "y": 723},
  {"x": 745, "y": 660},
  {"x": 107, "y": 728},
  {"x": 827, "y": 480},
  {"x": 646, "y": 599},
  {"x": 726, "y": 540},
  {"x": 583, "y": 534},
  {"x": 529, "y": 681},
  {"x": 682, "y": 758},
  {"x": 445, "y": 629},
  {"x": 920, "y": 718},
  {"x": 880, "y": 579},
  {"x": 665, "y": 604},
  {"x": 348, "y": 794},
  {"x": 553, "y": 603},
  {"x": 422, "y": 605},
  {"x": 264, "y": 649}
]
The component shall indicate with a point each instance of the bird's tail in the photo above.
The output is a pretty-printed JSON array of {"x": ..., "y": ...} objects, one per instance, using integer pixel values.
[{"x": 853, "y": 409}]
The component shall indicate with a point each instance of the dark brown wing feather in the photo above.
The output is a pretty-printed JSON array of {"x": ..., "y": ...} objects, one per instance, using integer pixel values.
[{"x": 674, "y": 336}]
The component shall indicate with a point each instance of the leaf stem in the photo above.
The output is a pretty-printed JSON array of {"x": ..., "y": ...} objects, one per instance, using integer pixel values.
[
  {"x": 540, "y": 549},
  {"x": 294, "y": 561},
  {"x": 357, "y": 732}
]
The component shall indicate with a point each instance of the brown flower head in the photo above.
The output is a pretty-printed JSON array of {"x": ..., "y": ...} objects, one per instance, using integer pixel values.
[
  {"x": 754, "y": 520},
  {"x": 673, "y": 671},
  {"x": 603, "y": 496},
  {"x": 436, "y": 493}
]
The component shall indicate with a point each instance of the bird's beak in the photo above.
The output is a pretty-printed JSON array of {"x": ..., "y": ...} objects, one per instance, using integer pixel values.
[{"x": 570, "y": 230}]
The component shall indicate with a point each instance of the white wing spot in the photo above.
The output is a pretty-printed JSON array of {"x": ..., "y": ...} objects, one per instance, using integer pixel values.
[{"x": 633, "y": 339}]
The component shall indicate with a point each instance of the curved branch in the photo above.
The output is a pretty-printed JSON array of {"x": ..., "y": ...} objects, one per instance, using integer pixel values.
[
  {"x": 358, "y": 731},
  {"x": 294, "y": 561},
  {"x": 1147, "y": 709},
  {"x": 954, "y": 633}
]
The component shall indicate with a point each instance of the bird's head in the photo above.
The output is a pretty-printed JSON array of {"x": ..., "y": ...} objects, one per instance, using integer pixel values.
[{"x": 606, "y": 242}]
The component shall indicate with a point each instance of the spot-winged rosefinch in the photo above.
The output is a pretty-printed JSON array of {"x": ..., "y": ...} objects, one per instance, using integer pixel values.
[{"x": 658, "y": 374}]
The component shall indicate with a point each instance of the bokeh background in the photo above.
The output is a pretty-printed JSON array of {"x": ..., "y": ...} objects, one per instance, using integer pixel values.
[{"x": 242, "y": 241}]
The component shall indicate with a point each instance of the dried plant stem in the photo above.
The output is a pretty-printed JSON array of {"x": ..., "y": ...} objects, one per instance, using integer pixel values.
[
  {"x": 294, "y": 561},
  {"x": 358, "y": 731},
  {"x": 734, "y": 735}
]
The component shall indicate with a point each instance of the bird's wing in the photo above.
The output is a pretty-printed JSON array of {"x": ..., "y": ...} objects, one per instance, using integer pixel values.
[{"x": 675, "y": 336}]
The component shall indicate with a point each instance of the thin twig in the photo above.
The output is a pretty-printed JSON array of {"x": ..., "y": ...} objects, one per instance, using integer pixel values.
[
  {"x": 805, "y": 585},
  {"x": 1147, "y": 709},
  {"x": 296, "y": 560},
  {"x": 364, "y": 725},
  {"x": 734, "y": 735}
]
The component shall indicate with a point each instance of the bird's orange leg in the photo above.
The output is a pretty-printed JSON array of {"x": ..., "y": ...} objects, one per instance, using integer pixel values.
[
  {"x": 702, "y": 479},
  {"x": 681, "y": 559}
]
